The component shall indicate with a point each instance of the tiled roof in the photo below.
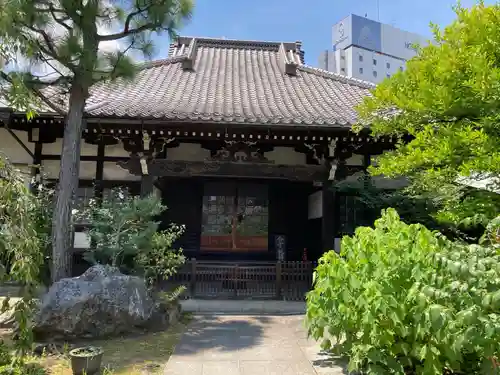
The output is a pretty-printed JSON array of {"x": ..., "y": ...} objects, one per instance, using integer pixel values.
[{"x": 230, "y": 81}]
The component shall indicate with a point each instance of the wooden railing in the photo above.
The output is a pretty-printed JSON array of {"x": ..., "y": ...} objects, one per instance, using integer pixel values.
[{"x": 244, "y": 280}]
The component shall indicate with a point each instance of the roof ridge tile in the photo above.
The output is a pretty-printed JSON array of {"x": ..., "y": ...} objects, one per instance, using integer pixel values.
[{"x": 337, "y": 77}]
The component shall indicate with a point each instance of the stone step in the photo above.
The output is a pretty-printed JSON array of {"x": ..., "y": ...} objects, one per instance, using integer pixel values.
[{"x": 245, "y": 307}]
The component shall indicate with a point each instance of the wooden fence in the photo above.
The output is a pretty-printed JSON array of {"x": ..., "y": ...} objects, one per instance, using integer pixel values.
[{"x": 244, "y": 280}]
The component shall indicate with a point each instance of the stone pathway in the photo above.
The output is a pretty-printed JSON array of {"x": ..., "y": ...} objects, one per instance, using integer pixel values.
[{"x": 249, "y": 345}]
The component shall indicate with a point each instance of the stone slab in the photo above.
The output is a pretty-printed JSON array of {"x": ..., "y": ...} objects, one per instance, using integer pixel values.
[
  {"x": 250, "y": 344},
  {"x": 237, "y": 307}
]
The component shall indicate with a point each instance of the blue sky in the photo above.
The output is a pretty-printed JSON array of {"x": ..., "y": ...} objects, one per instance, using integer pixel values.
[{"x": 308, "y": 21}]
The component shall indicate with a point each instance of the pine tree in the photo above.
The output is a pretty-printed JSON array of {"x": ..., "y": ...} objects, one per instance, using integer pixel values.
[{"x": 67, "y": 37}]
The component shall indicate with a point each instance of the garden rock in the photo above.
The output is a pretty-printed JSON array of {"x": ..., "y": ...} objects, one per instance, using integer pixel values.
[{"x": 101, "y": 302}]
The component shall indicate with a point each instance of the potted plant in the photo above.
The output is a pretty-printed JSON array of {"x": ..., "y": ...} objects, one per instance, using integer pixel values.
[{"x": 86, "y": 360}]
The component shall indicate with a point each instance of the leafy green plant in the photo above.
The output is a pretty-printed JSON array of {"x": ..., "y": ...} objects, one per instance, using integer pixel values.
[
  {"x": 401, "y": 299},
  {"x": 5, "y": 357},
  {"x": 160, "y": 261},
  {"x": 122, "y": 225},
  {"x": 23, "y": 240},
  {"x": 416, "y": 207},
  {"x": 23, "y": 369}
]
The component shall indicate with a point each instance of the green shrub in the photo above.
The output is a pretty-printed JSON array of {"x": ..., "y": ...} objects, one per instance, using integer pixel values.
[
  {"x": 22, "y": 369},
  {"x": 5, "y": 356},
  {"x": 121, "y": 225},
  {"x": 402, "y": 299},
  {"x": 124, "y": 233},
  {"x": 160, "y": 261},
  {"x": 24, "y": 236}
]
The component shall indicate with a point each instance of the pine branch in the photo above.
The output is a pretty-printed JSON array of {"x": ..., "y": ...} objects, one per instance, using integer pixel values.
[
  {"x": 48, "y": 41},
  {"x": 60, "y": 21},
  {"x": 131, "y": 16},
  {"x": 125, "y": 33},
  {"x": 105, "y": 75},
  {"x": 37, "y": 93}
]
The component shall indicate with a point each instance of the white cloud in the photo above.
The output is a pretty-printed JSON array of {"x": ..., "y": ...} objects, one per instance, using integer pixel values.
[{"x": 58, "y": 32}]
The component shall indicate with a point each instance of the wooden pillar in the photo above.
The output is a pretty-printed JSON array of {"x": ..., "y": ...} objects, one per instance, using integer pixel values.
[
  {"x": 37, "y": 161},
  {"x": 99, "y": 172},
  {"x": 146, "y": 185},
  {"x": 329, "y": 216}
]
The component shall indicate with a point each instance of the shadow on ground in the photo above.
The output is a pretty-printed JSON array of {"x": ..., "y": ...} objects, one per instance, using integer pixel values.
[
  {"x": 325, "y": 360},
  {"x": 224, "y": 334}
]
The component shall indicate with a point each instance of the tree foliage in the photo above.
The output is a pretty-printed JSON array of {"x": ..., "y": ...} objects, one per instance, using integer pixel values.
[
  {"x": 421, "y": 208},
  {"x": 401, "y": 299},
  {"x": 447, "y": 101},
  {"x": 24, "y": 235},
  {"x": 63, "y": 44},
  {"x": 124, "y": 233}
]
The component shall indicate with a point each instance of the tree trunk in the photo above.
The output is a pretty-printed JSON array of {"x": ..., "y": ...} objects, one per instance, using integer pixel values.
[{"x": 68, "y": 183}]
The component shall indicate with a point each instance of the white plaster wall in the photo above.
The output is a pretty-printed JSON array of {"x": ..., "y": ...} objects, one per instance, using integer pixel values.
[
  {"x": 337, "y": 244},
  {"x": 379, "y": 181},
  {"x": 355, "y": 159},
  {"x": 116, "y": 150},
  {"x": 286, "y": 156},
  {"x": 188, "y": 152},
  {"x": 114, "y": 172},
  {"x": 25, "y": 171},
  {"x": 82, "y": 240},
  {"x": 50, "y": 169},
  {"x": 55, "y": 148},
  {"x": 390, "y": 183},
  {"x": 13, "y": 150}
]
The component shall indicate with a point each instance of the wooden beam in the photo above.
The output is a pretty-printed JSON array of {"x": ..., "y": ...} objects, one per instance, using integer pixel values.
[
  {"x": 89, "y": 158},
  {"x": 178, "y": 168}
]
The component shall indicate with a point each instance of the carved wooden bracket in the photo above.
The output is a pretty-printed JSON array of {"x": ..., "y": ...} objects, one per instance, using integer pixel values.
[
  {"x": 178, "y": 168},
  {"x": 239, "y": 152}
]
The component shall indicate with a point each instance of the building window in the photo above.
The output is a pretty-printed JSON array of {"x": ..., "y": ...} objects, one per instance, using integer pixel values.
[
  {"x": 360, "y": 70},
  {"x": 374, "y": 61},
  {"x": 342, "y": 70},
  {"x": 360, "y": 57},
  {"x": 388, "y": 65},
  {"x": 235, "y": 217},
  {"x": 342, "y": 57},
  {"x": 374, "y": 73}
]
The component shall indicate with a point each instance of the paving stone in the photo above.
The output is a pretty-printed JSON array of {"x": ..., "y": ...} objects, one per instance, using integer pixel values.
[
  {"x": 220, "y": 368},
  {"x": 183, "y": 367},
  {"x": 275, "y": 368},
  {"x": 250, "y": 345}
]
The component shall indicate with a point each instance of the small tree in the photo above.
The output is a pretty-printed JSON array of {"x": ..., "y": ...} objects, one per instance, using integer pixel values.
[
  {"x": 67, "y": 37},
  {"x": 446, "y": 101},
  {"x": 124, "y": 234}
]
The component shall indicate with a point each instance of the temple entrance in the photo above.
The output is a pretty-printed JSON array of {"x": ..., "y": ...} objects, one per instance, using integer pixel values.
[
  {"x": 235, "y": 217},
  {"x": 238, "y": 219}
]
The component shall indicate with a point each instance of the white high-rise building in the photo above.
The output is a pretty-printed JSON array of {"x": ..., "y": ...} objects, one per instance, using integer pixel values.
[{"x": 368, "y": 50}]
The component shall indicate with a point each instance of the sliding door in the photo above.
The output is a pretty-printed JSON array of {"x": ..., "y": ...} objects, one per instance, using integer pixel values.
[{"x": 235, "y": 217}]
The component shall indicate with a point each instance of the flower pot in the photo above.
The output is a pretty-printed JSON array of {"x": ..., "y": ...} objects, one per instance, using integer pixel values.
[{"x": 86, "y": 360}]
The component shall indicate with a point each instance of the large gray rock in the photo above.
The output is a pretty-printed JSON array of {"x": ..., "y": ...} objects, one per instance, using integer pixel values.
[{"x": 101, "y": 302}]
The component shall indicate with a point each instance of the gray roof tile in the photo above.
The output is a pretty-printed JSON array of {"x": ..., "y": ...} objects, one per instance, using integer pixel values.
[{"x": 230, "y": 81}]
